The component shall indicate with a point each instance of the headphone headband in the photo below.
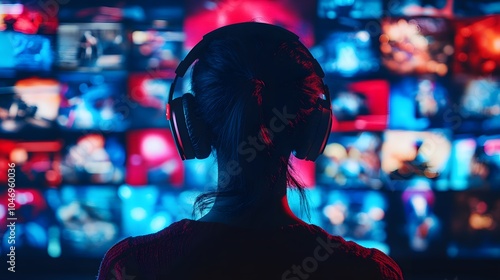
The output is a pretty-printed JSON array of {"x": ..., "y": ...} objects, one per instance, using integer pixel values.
[{"x": 237, "y": 30}]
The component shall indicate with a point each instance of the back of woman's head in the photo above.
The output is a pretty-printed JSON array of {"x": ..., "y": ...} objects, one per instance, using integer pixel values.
[{"x": 254, "y": 94}]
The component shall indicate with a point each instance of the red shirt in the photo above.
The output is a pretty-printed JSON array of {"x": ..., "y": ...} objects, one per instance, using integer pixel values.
[{"x": 191, "y": 249}]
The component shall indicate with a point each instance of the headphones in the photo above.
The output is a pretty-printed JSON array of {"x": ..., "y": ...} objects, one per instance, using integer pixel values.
[{"x": 189, "y": 131}]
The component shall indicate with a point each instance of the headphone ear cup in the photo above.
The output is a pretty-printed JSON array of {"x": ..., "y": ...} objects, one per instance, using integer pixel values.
[
  {"x": 179, "y": 129},
  {"x": 313, "y": 135},
  {"x": 197, "y": 130}
]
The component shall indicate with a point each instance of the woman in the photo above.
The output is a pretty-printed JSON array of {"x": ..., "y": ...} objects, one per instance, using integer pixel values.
[{"x": 258, "y": 97}]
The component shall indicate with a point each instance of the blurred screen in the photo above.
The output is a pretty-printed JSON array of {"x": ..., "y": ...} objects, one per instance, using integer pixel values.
[
  {"x": 419, "y": 45},
  {"x": 93, "y": 159},
  {"x": 36, "y": 162},
  {"x": 27, "y": 18},
  {"x": 25, "y": 52},
  {"x": 361, "y": 105},
  {"x": 357, "y": 216},
  {"x": 34, "y": 219},
  {"x": 476, "y": 163},
  {"x": 149, "y": 209},
  {"x": 351, "y": 161},
  {"x": 26, "y": 38},
  {"x": 148, "y": 93},
  {"x": 465, "y": 8},
  {"x": 408, "y": 155},
  {"x": 418, "y": 104},
  {"x": 94, "y": 101},
  {"x": 88, "y": 220},
  {"x": 156, "y": 49},
  {"x": 477, "y": 47},
  {"x": 204, "y": 16},
  {"x": 91, "y": 45},
  {"x": 354, "y": 8},
  {"x": 348, "y": 50},
  {"x": 477, "y": 105},
  {"x": 152, "y": 158},
  {"x": 434, "y": 8},
  {"x": 29, "y": 105},
  {"x": 421, "y": 225},
  {"x": 474, "y": 228}
]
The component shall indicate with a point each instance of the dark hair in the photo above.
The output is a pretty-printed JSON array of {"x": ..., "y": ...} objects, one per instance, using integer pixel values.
[{"x": 237, "y": 83}]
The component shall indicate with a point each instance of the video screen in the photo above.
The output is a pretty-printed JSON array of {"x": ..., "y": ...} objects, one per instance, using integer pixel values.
[
  {"x": 411, "y": 155},
  {"x": 468, "y": 8},
  {"x": 27, "y": 19},
  {"x": 25, "y": 52},
  {"x": 36, "y": 162},
  {"x": 478, "y": 109},
  {"x": 432, "y": 8},
  {"x": 152, "y": 158},
  {"x": 347, "y": 52},
  {"x": 29, "y": 105},
  {"x": 475, "y": 163},
  {"x": 476, "y": 43},
  {"x": 156, "y": 49},
  {"x": 91, "y": 45},
  {"x": 424, "y": 229},
  {"x": 361, "y": 105},
  {"x": 419, "y": 45},
  {"x": 94, "y": 101},
  {"x": 474, "y": 227},
  {"x": 418, "y": 104},
  {"x": 26, "y": 38},
  {"x": 332, "y": 9},
  {"x": 32, "y": 225},
  {"x": 148, "y": 94},
  {"x": 88, "y": 219},
  {"x": 204, "y": 16},
  {"x": 351, "y": 161},
  {"x": 170, "y": 13},
  {"x": 149, "y": 209},
  {"x": 93, "y": 159},
  {"x": 357, "y": 216}
]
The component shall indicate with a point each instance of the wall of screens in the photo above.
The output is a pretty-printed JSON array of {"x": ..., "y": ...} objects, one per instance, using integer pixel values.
[{"x": 411, "y": 167}]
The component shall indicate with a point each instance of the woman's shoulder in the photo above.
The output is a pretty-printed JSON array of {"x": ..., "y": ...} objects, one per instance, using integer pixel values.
[
  {"x": 369, "y": 263},
  {"x": 127, "y": 255}
]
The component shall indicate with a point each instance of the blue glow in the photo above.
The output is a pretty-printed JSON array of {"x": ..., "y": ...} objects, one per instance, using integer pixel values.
[
  {"x": 160, "y": 221},
  {"x": 124, "y": 192},
  {"x": 138, "y": 213}
]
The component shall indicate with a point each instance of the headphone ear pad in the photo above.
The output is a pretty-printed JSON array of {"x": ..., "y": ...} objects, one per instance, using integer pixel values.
[
  {"x": 313, "y": 135},
  {"x": 198, "y": 132}
]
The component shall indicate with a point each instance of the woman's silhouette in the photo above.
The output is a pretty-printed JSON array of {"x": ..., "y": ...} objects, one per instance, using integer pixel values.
[{"x": 258, "y": 98}]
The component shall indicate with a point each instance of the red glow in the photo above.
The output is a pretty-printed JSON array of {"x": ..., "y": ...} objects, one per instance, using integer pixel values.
[
  {"x": 234, "y": 11},
  {"x": 25, "y": 20},
  {"x": 32, "y": 158},
  {"x": 305, "y": 170},
  {"x": 478, "y": 40},
  {"x": 144, "y": 90},
  {"x": 153, "y": 149},
  {"x": 377, "y": 95},
  {"x": 492, "y": 147}
]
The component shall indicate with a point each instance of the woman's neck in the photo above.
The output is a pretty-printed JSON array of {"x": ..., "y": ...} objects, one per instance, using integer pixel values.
[{"x": 263, "y": 213}]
